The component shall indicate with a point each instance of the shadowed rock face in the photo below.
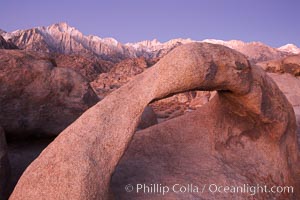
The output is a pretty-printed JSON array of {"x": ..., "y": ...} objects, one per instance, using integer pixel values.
[
  {"x": 247, "y": 130},
  {"x": 38, "y": 98},
  {"x": 290, "y": 85},
  {"x": 148, "y": 118},
  {"x": 286, "y": 73},
  {"x": 6, "y": 44},
  {"x": 4, "y": 166}
]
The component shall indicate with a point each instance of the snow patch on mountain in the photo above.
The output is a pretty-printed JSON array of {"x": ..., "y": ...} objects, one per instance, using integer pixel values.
[{"x": 290, "y": 48}]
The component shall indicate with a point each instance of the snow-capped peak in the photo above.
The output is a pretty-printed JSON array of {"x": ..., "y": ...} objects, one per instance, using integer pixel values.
[
  {"x": 290, "y": 48},
  {"x": 154, "y": 45},
  {"x": 61, "y": 27},
  {"x": 110, "y": 41},
  {"x": 230, "y": 43},
  {"x": 145, "y": 44},
  {"x": 179, "y": 40}
]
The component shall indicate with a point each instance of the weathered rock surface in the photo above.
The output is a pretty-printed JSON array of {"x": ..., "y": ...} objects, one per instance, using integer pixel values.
[
  {"x": 290, "y": 85},
  {"x": 285, "y": 72},
  {"x": 119, "y": 75},
  {"x": 4, "y": 166},
  {"x": 89, "y": 67},
  {"x": 289, "y": 65},
  {"x": 38, "y": 98},
  {"x": 247, "y": 133}
]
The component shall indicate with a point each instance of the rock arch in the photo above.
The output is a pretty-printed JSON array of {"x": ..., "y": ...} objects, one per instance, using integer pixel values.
[{"x": 79, "y": 163}]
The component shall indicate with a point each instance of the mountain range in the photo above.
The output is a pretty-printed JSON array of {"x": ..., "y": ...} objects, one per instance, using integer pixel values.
[{"x": 62, "y": 38}]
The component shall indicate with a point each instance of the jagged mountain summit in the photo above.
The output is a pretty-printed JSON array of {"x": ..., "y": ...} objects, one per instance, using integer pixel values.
[{"x": 62, "y": 38}]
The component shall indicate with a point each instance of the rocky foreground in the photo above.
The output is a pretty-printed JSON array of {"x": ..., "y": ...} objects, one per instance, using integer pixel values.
[
  {"x": 39, "y": 98},
  {"x": 245, "y": 134}
]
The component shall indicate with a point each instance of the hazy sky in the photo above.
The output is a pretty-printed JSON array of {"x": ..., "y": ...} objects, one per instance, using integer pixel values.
[{"x": 274, "y": 22}]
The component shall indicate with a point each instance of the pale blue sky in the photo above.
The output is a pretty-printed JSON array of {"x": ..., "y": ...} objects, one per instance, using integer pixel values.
[{"x": 274, "y": 22}]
